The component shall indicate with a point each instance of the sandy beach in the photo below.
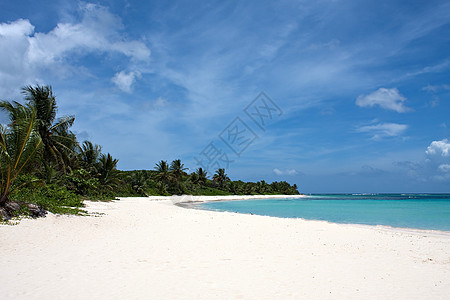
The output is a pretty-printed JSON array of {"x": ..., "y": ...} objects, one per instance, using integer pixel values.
[{"x": 149, "y": 248}]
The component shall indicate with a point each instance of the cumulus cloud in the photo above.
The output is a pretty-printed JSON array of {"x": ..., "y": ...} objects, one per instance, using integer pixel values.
[
  {"x": 25, "y": 53},
  {"x": 285, "y": 172},
  {"x": 98, "y": 30},
  {"x": 14, "y": 45},
  {"x": 124, "y": 80},
  {"x": 384, "y": 130},
  {"x": 17, "y": 28},
  {"x": 390, "y": 99},
  {"x": 436, "y": 165},
  {"x": 439, "y": 147}
]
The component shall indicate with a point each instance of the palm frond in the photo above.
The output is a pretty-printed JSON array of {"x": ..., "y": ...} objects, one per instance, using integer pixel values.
[{"x": 63, "y": 124}]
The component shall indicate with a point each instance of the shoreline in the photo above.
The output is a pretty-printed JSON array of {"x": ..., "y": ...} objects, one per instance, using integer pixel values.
[
  {"x": 191, "y": 198},
  {"x": 189, "y": 202},
  {"x": 151, "y": 248}
]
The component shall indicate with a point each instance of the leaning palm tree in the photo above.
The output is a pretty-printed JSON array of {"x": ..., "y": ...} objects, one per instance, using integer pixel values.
[
  {"x": 19, "y": 144},
  {"x": 221, "y": 177},
  {"x": 59, "y": 142}
]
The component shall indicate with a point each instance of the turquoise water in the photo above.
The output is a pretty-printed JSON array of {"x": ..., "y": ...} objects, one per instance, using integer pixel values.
[{"x": 421, "y": 211}]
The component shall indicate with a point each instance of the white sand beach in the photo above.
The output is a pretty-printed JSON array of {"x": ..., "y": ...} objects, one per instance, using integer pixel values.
[{"x": 145, "y": 248}]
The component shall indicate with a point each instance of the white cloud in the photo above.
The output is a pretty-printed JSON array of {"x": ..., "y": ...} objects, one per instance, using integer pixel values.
[
  {"x": 99, "y": 30},
  {"x": 24, "y": 53},
  {"x": 124, "y": 80},
  {"x": 439, "y": 147},
  {"x": 384, "y": 130},
  {"x": 431, "y": 69},
  {"x": 436, "y": 165},
  {"x": 386, "y": 98},
  {"x": 14, "y": 45},
  {"x": 17, "y": 28},
  {"x": 444, "y": 168},
  {"x": 285, "y": 172},
  {"x": 436, "y": 88}
]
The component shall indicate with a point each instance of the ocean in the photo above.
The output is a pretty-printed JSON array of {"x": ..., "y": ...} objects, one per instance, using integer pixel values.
[{"x": 419, "y": 211}]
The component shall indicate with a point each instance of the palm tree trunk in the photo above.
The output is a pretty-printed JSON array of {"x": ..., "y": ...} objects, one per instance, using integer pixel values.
[{"x": 3, "y": 200}]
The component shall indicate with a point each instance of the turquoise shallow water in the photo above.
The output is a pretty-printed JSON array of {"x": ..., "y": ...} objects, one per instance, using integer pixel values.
[{"x": 420, "y": 211}]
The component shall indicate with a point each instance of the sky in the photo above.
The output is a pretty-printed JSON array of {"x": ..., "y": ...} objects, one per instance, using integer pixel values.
[{"x": 335, "y": 96}]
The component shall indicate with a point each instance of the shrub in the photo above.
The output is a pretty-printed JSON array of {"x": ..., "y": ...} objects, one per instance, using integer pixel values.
[{"x": 54, "y": 198}]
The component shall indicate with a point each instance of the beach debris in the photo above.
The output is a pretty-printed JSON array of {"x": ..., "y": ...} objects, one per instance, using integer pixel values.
[
  {"x": 11, "y": 208},
  {"x": 36, "y": 211},
  {"x": 4, "y": 214}
]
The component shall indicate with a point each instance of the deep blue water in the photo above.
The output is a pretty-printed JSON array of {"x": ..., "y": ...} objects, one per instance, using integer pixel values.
[{"x": 421, "y": 211}]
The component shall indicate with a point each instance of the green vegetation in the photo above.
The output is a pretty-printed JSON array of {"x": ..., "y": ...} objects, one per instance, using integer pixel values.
[
  {"x": 43, "y": 167},
  {"x": 166, "y": 182}
]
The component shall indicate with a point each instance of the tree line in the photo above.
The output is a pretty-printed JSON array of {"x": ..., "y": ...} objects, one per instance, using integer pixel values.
[
  {"x": 44, "y": 167},
  {"x": 169, "y": 179}
]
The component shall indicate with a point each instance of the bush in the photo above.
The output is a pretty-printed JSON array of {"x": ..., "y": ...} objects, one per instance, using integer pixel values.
[
  {"x": 81, "y": 182},
  {"x": 54, "y": 198}
]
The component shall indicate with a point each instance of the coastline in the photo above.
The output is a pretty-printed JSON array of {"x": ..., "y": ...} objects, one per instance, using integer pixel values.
[
  {"x": 149, "y": 247},
  {"x": 189, "y": 202},
  {"x": 190, "y": 198}
]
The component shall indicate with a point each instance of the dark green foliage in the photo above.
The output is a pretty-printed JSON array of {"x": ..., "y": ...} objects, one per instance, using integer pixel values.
[
  {"x": 107, "y": 170},
  {"x": 177, "y": 172},
  {"x": 89, "y": 157},
  {"x": 20, "y": 143},
  {"x": 221, "y": 177},
  {"x": 81, "y": 182},
  {"x": 139, "y": 181},
  {"x": 209, "y": 191},
  {"x": 162, "y": 172},
  {"x": 177, "y": 169},
  {"x": 202, "y": 176},
  {"x": 60, "y": 143},
  {"x": 163, "y": 181},
  {"x": 148, "y": 182},
  {"x": 52, "y": 197}
]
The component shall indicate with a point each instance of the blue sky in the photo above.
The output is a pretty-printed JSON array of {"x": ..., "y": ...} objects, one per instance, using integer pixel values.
[{"x": 363, "y": 87}]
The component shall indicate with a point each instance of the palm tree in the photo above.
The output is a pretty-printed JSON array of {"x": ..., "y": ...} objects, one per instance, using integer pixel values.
[
  {"x": 177, "y": 169},
  {"x": 90, "y": 156},
  {"x": 162, "y": 169},
  {"x": 221, "y": 177},
  {"x": 194, "y": 178},
  {"x": 202, "y": 176},
  {"x": 19, "y": 144},
  {"x": 107, "y": 170},
  {"x": 262, "y": 187},
  {"x": 59, "y": 142},
  {"x": 138, "y": 180},
  {"x": 249, "y": 188}
]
